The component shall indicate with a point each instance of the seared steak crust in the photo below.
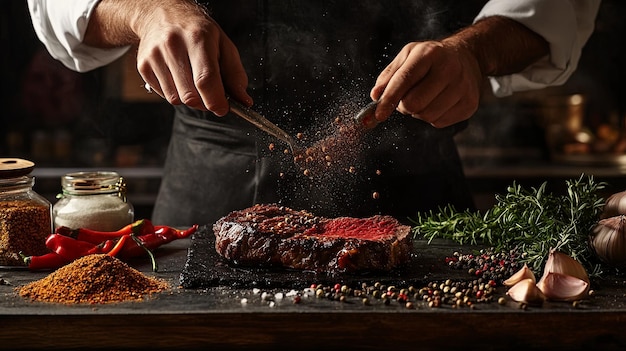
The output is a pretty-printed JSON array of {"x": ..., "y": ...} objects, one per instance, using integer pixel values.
[{"x": 273, "y": 235}]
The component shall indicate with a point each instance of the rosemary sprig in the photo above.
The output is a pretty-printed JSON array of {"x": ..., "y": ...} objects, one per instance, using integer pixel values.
[{"x": 527, "y": 221}]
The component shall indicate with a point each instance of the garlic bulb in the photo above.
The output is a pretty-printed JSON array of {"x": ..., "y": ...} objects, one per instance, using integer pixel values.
[
  {"x": 562, "y": 287},
  {"x": 615, "y": 205},
  {"x": 523, "y": 273},
  {"x": 608, "y": 240},
  {"x": 526, "y": 291}
]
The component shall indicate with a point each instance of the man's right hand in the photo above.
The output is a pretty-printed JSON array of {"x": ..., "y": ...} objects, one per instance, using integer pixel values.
[{"x": 182, "y": 54}]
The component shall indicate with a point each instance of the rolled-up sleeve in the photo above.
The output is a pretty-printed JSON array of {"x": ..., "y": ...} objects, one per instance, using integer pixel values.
[
  {"x": 61, "y": 26},
  {"x": 565, "y": 24}
]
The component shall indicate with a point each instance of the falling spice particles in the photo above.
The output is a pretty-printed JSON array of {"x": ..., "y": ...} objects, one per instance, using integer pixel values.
[
  {"x": 93, "y": 279},
  {"x": 335, "y": 152}
]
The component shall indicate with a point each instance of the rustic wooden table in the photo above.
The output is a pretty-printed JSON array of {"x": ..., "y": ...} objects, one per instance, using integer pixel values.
[{"x": 215, "y": 318}]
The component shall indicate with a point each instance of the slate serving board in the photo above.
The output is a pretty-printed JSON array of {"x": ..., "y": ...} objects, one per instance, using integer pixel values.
[{"x": 204, "y": 268}]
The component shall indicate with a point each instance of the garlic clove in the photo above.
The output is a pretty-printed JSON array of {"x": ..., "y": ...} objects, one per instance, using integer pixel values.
[
  {"x": 558, "y": 262},
  {"x": 526, "y": 291},
  {"x": 561, "y": 287},
  {"x": 523, "y": 273},
  {"x": 608, "y": 240}
]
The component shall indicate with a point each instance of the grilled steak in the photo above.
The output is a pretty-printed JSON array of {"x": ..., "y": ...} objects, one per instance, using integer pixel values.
[{"x": 272, "y": 235}]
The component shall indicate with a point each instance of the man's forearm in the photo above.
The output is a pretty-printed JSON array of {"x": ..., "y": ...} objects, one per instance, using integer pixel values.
[
  {"x": 501, "y": 45},
  {"x": 109, "y": 24},
  {"x": 119, "y": 22}
]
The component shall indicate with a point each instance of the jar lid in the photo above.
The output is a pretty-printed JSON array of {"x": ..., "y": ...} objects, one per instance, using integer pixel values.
[
  {"x": 93, "y": 182},
  {"x": 15, "y": 167}
]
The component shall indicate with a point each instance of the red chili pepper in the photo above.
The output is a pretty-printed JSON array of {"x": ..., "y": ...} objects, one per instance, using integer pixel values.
[
  {"x": 51, "y": 260},
  {"x": 65, "y": 249},
  {"x": 70, "y": 248},
  {"x": 118, "y": 246},
  {"x": 162, "y": 235},
  {"x": 139, "y": 227}
]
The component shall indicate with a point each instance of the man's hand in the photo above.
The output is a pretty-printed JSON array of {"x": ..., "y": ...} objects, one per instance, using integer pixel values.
[
  {"x": 432, "y": 81},
  {"x": 440, "y": 81},
  {"x": 182, "y": 53}
]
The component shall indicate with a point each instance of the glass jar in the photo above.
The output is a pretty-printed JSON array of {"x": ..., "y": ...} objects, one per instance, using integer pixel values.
[
  {"x": 25, "y": 216},
  {"x": 94, "y": 200}
]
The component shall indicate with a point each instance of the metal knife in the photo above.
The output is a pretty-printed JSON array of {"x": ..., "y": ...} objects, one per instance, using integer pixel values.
[{"x": 262, "y": 123}]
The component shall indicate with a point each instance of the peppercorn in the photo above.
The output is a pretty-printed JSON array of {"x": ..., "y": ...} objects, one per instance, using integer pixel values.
[{"x": 402, "y": 298}]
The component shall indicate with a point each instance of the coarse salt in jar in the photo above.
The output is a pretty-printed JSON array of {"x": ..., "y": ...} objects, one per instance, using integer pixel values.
[
  {"x": 94, "y": 200},
  {"x": 25, "y": 216}
]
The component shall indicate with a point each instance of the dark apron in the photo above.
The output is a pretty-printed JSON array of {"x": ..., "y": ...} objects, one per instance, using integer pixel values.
[{"x": 307, "y": 63}]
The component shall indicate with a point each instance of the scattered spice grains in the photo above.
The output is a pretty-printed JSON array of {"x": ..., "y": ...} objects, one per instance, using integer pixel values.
[
  {"x": 486, "y": 264},
  {"x": 93, "y": 279},
  {"x": 435, "y": 294},
  {"x": 486, "y": 268}
]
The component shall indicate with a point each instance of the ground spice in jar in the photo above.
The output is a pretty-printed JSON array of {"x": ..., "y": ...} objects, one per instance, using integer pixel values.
[
  {"x": 25, "y": 216},
  {"x": 24, "y": 225},
  {"x": 93, "y": 279}
]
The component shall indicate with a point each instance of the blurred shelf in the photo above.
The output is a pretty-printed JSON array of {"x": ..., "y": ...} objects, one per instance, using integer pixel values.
[
  {"x": 127, "y": 173},
  {"x": 542, "y": 170}
]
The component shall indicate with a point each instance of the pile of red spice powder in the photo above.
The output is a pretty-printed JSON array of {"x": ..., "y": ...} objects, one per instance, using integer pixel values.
[{"x": 93, "y": 279}]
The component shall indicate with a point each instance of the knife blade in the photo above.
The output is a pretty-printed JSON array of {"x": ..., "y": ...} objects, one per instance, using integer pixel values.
[
  {"x": 365, "y": 117},
  {"x": 262, "y": 123}
]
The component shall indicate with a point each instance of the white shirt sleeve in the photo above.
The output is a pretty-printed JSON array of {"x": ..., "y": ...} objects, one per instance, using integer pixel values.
[
  {"x": 61, "y": 26},
  {"x": 565, "y": 24}
]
